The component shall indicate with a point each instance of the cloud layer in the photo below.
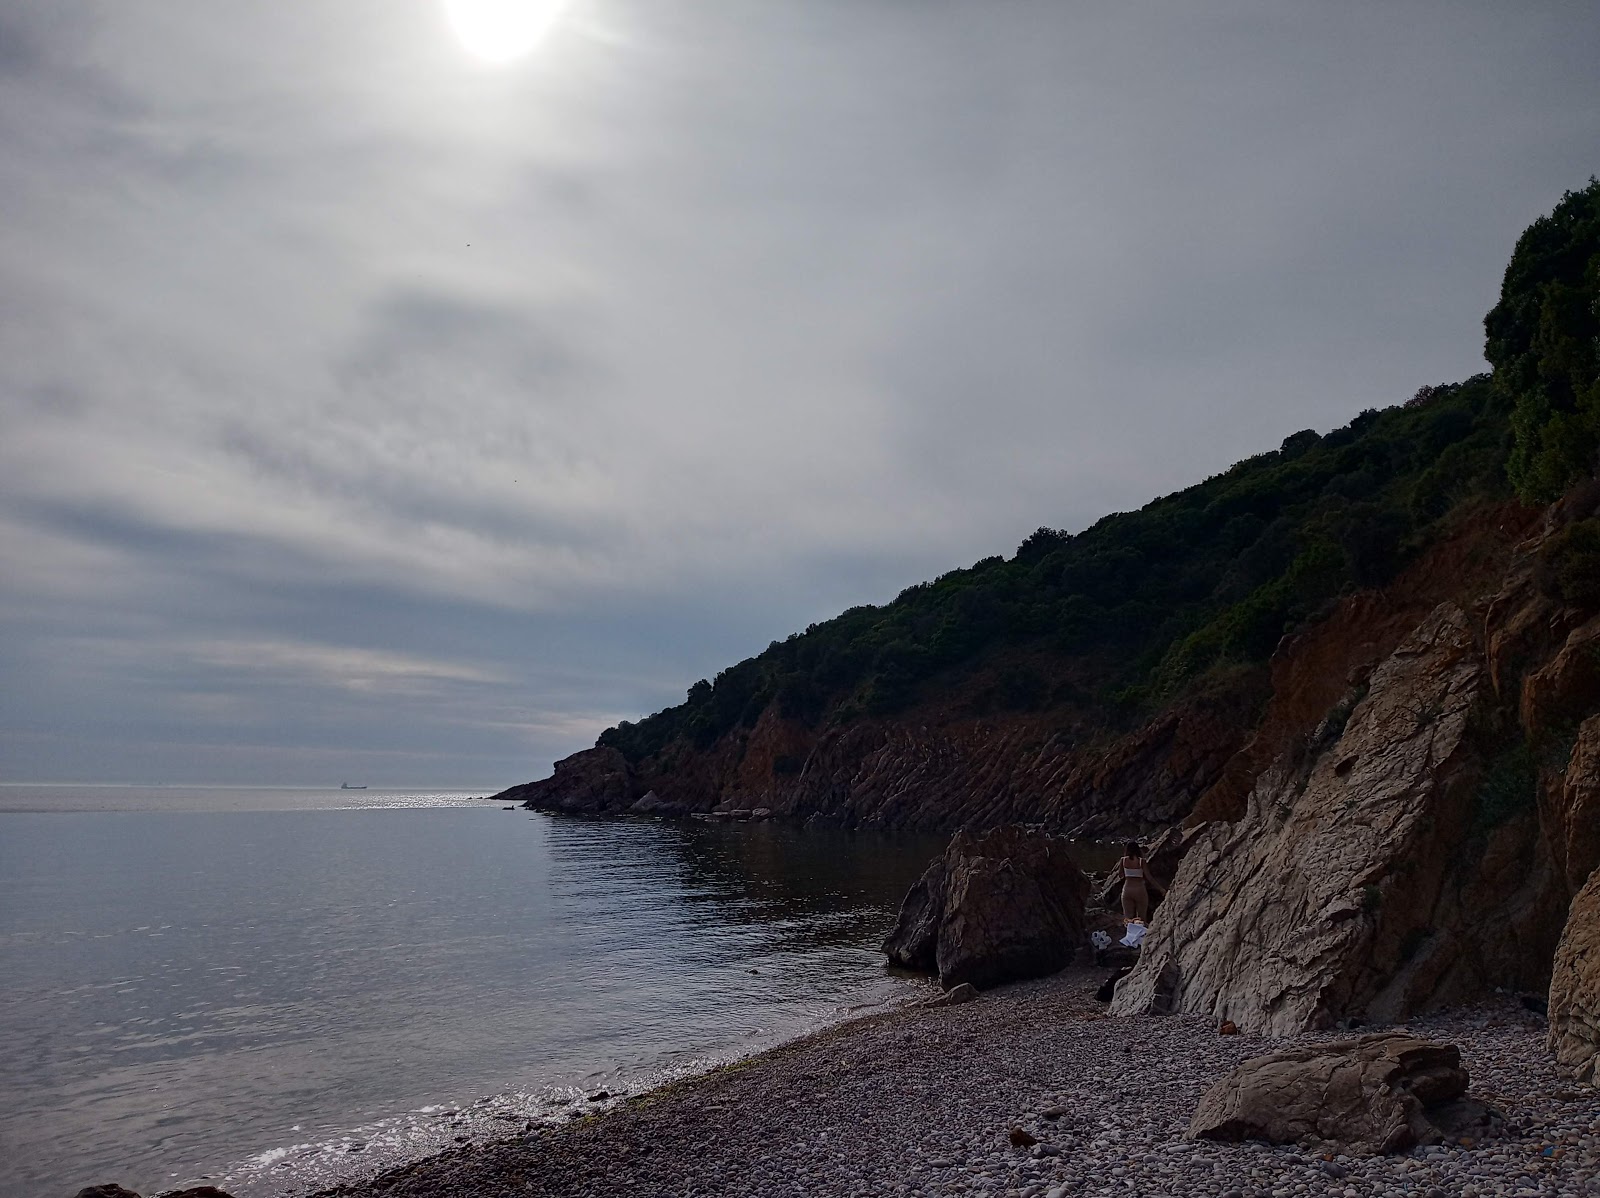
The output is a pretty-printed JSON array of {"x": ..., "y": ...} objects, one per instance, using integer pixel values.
[{"x": 370, "y": 410}]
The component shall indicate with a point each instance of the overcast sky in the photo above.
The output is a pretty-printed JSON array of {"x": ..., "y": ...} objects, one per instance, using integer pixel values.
[{"x": 373, "y": 410}]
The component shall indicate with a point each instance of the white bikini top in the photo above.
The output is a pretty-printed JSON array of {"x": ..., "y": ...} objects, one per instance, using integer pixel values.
[{"x": 1133, "y": 871}]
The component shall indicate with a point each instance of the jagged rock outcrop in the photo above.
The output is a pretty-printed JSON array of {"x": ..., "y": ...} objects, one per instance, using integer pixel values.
[
  {"x": 1570, "y": 809},
  {"x": 914, "y": 942},
  {"x": 1000, "y": 906},
  {"x": 1339, "y": 891},
  {"x": 593, "y": 782},
  {"x": 1575, "y": 986},
  {"x": 1343, "y": 858},
  {"x": 927, "y": 775},
  {"x": 1380, "y": 1093}
]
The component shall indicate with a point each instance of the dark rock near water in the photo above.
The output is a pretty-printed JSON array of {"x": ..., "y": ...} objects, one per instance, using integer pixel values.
[
  {"x": 654, "y": 804},
  {"x": 1108, "y": 988},
  {"x": 1001, "y": 906},
  {"x": 914, "y": 943},
  {"x": 1379, "y": 1093},
  {"x": 593, "y": 782},
  {"x": 108, "y": 1189}
]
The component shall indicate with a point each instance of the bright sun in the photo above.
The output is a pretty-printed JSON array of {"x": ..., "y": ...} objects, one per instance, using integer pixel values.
[{"x": 500, "y": 30}]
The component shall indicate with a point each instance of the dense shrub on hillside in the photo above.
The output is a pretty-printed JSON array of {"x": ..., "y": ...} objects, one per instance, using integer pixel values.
[
  {"x": 1543, "y": 340},
  {"x": 1569, "y": 564},
  {"x": 1143, "y": 601}
]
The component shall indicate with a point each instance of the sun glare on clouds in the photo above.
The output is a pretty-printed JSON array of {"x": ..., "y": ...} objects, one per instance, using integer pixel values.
[{"x": 501, "y": 30}]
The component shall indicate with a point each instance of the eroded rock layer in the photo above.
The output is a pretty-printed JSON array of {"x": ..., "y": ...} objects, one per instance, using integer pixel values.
[
  {"x": 1343, "y": 890},
  {"x": 1575, "y": 986}
]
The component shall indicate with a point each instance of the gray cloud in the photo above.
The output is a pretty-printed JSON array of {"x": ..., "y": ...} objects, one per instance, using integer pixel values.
[{"x": 364, "y": 400}]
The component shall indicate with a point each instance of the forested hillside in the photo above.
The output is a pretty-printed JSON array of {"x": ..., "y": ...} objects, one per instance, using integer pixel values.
[
  {"x": 1145, "y": 618},
  {"x": 1148, "y": 601}
]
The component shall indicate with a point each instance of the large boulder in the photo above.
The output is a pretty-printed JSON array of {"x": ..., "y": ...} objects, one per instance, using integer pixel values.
[
  {"x": 1379, "y": 1093},
  {"x": 1001, "y": 906},
  {"x": 1343, "y": 889},
  {"x": 1575, "y": 986}
]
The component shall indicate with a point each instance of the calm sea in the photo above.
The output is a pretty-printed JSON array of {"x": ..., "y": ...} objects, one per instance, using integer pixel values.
[{"x": 274, "y": 989}]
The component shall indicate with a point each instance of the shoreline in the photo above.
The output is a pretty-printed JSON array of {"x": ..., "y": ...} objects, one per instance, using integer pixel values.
[
  {"x": 921, "y": 1100},
  {"x": 355, "y": 1156}
]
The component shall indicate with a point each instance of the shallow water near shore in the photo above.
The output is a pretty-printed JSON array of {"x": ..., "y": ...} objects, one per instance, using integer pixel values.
[{"x": 271, "y": 996}]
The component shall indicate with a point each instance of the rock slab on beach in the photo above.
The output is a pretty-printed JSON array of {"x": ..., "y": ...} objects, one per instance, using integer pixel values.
[
  {"x": 1343, "y": 891},
  {"x": 1575, "y": 987},
  {"x": 1000, "y": 906},
  {"x": 1375, "y": 1094}
]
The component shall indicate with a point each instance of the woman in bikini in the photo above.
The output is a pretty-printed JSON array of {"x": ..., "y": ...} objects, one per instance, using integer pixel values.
[{"x": 1135, "y": 888}]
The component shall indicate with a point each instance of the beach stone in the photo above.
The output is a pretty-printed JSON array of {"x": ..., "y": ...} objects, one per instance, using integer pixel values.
[
  {"x": 1372, "y": 1094},
  {"x": 197, "y": 1192},
  {"x": 108, "y": 1189}
]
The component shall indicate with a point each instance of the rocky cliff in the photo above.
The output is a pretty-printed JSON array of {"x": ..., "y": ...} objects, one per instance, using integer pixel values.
[
  {"x": 1401, "y": 821},
  {"x": 927, "y": 772},
  {"x": 1072, "y": 769},
  {"x": 1419, "y": 844},
  {"x": 1362, "y": 672}
]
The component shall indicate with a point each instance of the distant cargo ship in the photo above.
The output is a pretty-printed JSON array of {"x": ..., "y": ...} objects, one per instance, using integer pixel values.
[{"x": 347, "y": 786}]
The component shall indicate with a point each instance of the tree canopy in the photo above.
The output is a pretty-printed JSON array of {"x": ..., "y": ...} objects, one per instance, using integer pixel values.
[{"x": 1543, "y": 340}]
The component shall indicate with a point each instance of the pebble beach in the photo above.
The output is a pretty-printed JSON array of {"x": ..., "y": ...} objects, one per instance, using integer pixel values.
[{"x": 926, "y": 1101}]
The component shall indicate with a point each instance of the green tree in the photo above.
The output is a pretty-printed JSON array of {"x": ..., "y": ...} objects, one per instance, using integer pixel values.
[{"x": 1543, "y": 340}]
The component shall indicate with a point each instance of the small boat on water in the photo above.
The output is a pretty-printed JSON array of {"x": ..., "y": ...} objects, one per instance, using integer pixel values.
[{"x": 347, "y": 786}]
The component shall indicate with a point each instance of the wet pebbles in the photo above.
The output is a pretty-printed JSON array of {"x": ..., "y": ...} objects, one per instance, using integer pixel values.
[{"x": 928, "y": 1101}]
